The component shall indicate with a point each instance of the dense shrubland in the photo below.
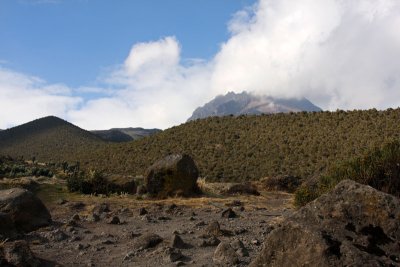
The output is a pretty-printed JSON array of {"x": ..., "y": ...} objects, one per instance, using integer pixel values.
[
  {"x": 232, "y": 148},
  {"x": 379, "y": 168},
  {"x": 250, "y": 147}
]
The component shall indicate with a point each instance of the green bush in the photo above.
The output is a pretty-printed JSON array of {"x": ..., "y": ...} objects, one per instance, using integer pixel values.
[
  {"x": 380, "y": 168},
  {"x": 90, "y": 182}
]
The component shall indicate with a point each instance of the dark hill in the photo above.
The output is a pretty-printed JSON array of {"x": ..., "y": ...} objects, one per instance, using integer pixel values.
[
  {"x": 246, "y": 103},
  {"x": 124, "y": 134},
  {"x": 48, "y": 138},
  {"x": 112, "y": 135}
]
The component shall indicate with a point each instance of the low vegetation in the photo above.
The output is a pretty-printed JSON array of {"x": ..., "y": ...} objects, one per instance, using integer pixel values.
[
  {"x": 12, "y": 168},
  {"x": 379, "y": 168},
  {"x": 251, "y": 147},
  {"x": 229, "y": 148}
]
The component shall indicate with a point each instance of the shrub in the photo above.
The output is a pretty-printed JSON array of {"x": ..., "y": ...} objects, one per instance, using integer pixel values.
[{"x": 380, "y": 168}]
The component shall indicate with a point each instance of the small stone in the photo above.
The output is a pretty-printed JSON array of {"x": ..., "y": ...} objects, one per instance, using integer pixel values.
[
  {"x": 142, "y": 211},
  {"x": 225, "y": 255},
  {"x": 114, "y": 220},
  {"x": 94, "y": 217},
  {"x": 177, "y": 242},
  {"x": 164, "y": 218},
  {"x": 76, "y": 217},
  {"x": 108, "y": 242},
  {"x": 57, "y": 235},
  {"x": 173, "y": 254},
  {"x": 61, "y": 201},
  {"x": 214, "y": 228},
  {"x": 147, "y": 241},
  {"x": 103, "y": 207},
  {"x": 239, "y": 247},
  {"x": 210, "y": 242},
  {"x": 199, "y": 224},
  {"x": 255, "y": 242},
  {"x": 228, "y": 213}
]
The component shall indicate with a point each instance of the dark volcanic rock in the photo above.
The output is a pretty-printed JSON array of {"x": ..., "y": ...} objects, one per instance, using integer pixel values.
[
  {"x": 214, "y": 229},
  {"x": 7, "y": 228},
  {"x": 211, "y": 241},
  {"x": 25, "y": 210},
  {"x": 147, "y": 241},
  {"x": 114, "y": 220},
  {"x": 228, "y": 213},
  {"x": 225, "y": 255},
  {"x": 142, "y": 211},
  {"x": 175, "y": 174},
  {"x": 239, "y": 247},
  {"x": 353, "y": 225},
  {"x": 19, "y": 254},
  {"x": 177, "y": 242}
]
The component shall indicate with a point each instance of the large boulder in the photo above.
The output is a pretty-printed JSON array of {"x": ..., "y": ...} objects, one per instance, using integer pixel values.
[
  {"x": 175, "y": 174},
  {"x": 353, "y": 225},
  {"x": 26, "y": 211},
  {"x": 7, "y": 227}
]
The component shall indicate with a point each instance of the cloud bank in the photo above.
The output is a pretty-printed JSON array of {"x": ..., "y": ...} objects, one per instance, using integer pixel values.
[{"x": 339, "y": 54}]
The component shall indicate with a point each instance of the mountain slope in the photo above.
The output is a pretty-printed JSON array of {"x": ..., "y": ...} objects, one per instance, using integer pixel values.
[
  {"x": 249, "y": 147},
  {"x": 245, "y": 103},
  {"x": 124, "y": 134},
  {"x": 239, "y": 148},
  {"x": 48, "y": 138}
]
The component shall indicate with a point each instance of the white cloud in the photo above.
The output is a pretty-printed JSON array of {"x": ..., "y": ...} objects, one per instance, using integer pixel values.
[
  {"x": 24, "y": 98},
  {"x": 153, "y": 89},
  {"x": 338, "y": 53}
]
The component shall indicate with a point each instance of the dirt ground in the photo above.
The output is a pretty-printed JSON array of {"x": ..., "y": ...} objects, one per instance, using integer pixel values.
[{"x": 77, "y": 239}]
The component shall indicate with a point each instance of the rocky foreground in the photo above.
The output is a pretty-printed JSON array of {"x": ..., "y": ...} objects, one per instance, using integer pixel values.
[{"x": 351, "y": 226}]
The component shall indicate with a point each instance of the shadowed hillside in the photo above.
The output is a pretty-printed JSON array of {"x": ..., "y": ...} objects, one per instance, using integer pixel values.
[
  {"x": 227, "y": 148},
  {"x": 48, "y": 139},
  {"x": 124, "y": 134}
]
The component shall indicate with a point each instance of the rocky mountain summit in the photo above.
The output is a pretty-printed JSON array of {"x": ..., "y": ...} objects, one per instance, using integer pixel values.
[{"x": 246, "y": 103}]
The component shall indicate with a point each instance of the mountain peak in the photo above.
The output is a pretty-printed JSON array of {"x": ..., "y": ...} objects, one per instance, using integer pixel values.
[{"x": 245, "y": 103}]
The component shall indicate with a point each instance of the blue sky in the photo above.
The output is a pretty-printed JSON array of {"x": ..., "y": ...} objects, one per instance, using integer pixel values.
[
  {"x": 73, "y": 41},
  {"x": 101, "y": 64}
]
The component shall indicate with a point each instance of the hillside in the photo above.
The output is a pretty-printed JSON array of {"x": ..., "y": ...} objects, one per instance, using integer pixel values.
[
  {"x": 231, "y": 148},
  {"x": 250, "y": 104},
  {"x": 251, "y": 147},
  {"x": 48, "y": 139},
  {"x": 124, "y": 134},
  {"x": 112, "y": 135}
]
